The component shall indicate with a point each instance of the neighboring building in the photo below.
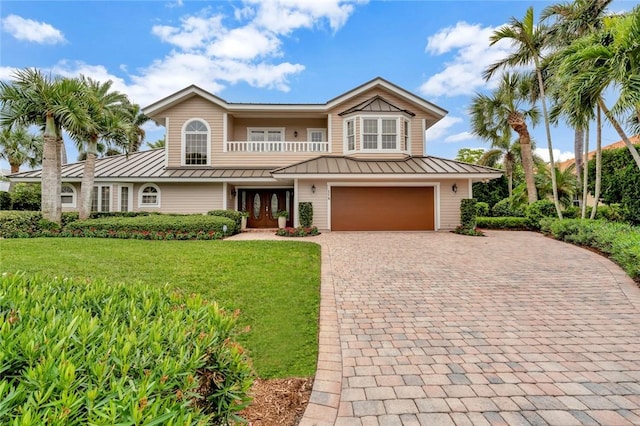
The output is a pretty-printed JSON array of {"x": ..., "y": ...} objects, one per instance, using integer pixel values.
[
  {"x": 592, "y": 154},
  {"x": 358, "y": 158},
  {"x": 4, "y": 183}
]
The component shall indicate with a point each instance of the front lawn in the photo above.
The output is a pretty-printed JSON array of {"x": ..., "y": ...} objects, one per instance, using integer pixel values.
[{"x": 274, "y": 284}]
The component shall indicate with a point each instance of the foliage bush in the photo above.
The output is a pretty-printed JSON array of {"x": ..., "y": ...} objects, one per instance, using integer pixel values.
[
  {"x": 620, "y": 241},
  {"x": 468, "y": 213},
  {"x": 505, "y": 208},
  {"x": 536, "y": 211},
  {"x": 26, "y": 196},
  {"x": 5, "y": 200},
  {"x": 482, "y": 209},
  {"x": 503, "y": 222},
  {"x": 234, "y": 215},
  {"x": 19, "y": 224},
  {"x": 492, "y": 191},
  {"x": 300, "y": 231},
  {"x": 100, "y": 215},
  {"x": 574, "y": 212},
  {"x": 112, "y": 353},
  {"x": 305, "y": 212},
  {"x": 611, "y": 212}
]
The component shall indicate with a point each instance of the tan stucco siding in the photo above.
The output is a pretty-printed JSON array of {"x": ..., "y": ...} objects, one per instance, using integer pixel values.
[
  {"x": 184, "y": 198},
  {"x": 416, "y": 134},
  {"x": 319, "y": 200},
  {"x": 189, "y": 109}
]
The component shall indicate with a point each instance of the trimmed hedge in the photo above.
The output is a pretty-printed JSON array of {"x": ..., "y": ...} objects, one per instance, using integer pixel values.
[
  {"x": 505, "y": 222},
  {"x": 620, "y": 241},
  {"x": 305, "y": 211},
  {"x": 482, "y": 209},
  {"x": 505, "y": 208},
  {"x": 534, "y": 212},
  {"x": 78, "y": 353},
  {"x": 234, "y": 215}
]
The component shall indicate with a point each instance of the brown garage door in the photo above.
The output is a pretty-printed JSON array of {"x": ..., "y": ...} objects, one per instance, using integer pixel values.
[{"x": 382, "y": 208}]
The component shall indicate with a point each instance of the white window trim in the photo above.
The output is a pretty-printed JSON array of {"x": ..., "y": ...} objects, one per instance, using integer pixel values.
[
  {"x": 183, "y": 147},
  {"x": 130, "y": 200},
  {"x": 265, "y": 129},
  {"x": 323, "y": 131},
  {"x": 140, "y": 193},
  {"x": 379, "y": 144},
  {"x": 407, "y": 135},
  {"x": 99, "y": 199},
  {"x": 346, "y": 135},
  {"x": 74, "y": 194}
]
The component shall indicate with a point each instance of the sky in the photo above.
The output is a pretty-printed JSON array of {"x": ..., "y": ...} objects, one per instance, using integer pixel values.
[{"x": 276, "y": 51}]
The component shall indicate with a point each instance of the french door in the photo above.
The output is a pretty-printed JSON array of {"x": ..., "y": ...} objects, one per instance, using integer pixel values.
[{"x": 263, "y": 204}]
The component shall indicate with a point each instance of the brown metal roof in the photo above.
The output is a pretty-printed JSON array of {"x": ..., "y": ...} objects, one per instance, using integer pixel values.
[
  {"x": 148, "y": 165},
  {"x": 328, "y": 165},
  {"x": 376, "y": 104}
]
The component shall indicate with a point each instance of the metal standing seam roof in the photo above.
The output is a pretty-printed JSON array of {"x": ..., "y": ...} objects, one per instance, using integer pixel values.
[{"x": 327, "y": 165}]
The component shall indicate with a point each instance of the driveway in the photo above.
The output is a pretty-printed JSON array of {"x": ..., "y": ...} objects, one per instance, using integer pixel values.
[{"x": 443, "y": 329}]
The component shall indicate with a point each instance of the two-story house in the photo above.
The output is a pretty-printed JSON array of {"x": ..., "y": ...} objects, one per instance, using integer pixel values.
[{"x": 358, "y": 158}]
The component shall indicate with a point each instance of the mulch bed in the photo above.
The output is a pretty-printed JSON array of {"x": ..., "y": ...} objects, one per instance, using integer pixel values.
[{"x": 278, "y": 401}]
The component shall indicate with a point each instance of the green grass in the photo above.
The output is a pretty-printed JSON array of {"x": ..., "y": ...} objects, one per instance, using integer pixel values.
[{"x": 274, "y": 284}]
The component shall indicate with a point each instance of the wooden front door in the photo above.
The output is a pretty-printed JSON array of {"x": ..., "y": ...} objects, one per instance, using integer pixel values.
[{"x": 263, "y": 204}]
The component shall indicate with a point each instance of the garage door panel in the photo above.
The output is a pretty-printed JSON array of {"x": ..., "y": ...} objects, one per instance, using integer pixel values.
[{"x": 382, "y": 208}]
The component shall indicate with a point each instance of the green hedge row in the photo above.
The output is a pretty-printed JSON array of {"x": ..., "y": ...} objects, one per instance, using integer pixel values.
[
  {"x": 78, "y": 353},
  {"x": 234, "y": 215},
  {"x": 15, "y": 224},
  {"x": 506, "y": 222},
  {"x": 620, "y": 241}
]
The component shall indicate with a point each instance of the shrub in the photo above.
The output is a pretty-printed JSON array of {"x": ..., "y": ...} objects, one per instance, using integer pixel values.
[
  {"x": 68, "y": 217},
  {"x": 482, "y": 208},
  {"x": 505, "y": 207},
  {"x": 5, "y": 200},
  {"x": 115, "y": 353},
  {"x": 19, "y": 224},
  {"x": 234, "y": 215},
  {"x": 536, "y": 211},
  {"x": 468, "y": 213},
  {"x": 300, "y": 231},
  {"x": 504, "y": 222},
  {"x": 620, "y": 241},
  {"x": 100, "y": 215},
  {"x": 26, "y": 196},
  {"x": 305, "y": 211},
  {"x": 611, "y": 212},
  {"x": 574, "y": 212}
]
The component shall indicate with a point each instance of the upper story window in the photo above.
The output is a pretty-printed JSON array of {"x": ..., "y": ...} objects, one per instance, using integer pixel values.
[
  {"x": 68, "y": 195},
  {"x": 266, "y": 135},
  {"x": 350, "y": 135},
  {"x": 196, "y": 146},
  {"x": 380, "y": 133}
]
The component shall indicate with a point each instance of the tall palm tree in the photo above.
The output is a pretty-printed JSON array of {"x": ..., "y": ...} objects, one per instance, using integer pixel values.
[
  {"x": 157, "y": 144},
  {"x": 503, "y": 151},
  {"x": 566, "y": 180},
  {"x": 528, "y": 40},
  {"x": 505, "y": 108},
  {"x": 107, "y": 113},
  {"x": 19, "y": 147},
  {"x": 135, "y": 133},
  {"x": 596, "y": 62},
  {"x": 53, "y": 103}
]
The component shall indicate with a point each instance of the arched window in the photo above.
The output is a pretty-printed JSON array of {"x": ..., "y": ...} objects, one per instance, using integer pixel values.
[
  {"x": 68, "y": 195},
  {"x": 149, "y": 195},
  {"x": 196, "y": 143}
]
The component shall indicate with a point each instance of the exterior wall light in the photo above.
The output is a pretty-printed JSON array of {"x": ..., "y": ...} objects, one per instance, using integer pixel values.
[
  {"x": 454, "y": 188},
  {"x": 313, "y": 189}
]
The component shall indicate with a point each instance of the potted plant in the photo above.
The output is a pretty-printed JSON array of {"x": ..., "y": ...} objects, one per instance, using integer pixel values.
[
  {"x": 243, "y": 220},
  {"x": 282, "y": 216}
]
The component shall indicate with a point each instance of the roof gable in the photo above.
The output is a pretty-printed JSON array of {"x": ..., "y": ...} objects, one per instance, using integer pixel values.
[{"x": 376, "y": 104}]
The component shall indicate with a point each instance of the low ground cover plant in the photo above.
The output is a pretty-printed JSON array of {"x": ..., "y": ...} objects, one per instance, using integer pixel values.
[
  {"x": 79, "y": 352},
  {"x": 506, "y": 222},
  {"x": 619, "y": 241},
  {"x": 300, "y": 231}
]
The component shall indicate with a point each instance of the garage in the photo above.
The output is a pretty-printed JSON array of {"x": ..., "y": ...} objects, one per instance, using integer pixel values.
[{"x": 384, "y": 208}]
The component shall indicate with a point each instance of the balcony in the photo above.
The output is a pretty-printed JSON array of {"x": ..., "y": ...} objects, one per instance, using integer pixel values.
[{"x": 276, "y": 146}]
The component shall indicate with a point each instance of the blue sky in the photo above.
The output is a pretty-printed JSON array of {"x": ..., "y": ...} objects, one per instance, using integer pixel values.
[{"x": 281, "y": 51}]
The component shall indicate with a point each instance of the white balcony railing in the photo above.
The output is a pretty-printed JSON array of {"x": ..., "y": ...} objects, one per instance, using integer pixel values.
[{"x": 277, "y": 146}]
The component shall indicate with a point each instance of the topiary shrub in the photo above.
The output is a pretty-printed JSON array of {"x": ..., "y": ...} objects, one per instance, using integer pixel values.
[
  {"x": 26, "y": 196},
  {"x": 5, "y": 200},
  {"x": 116, "y": 353},
  {"x": 305, "y": 213},
  {"x": 235, "y": 215},
  {"x": 536, "y": 211},
  {"x": 505, "y": 208},
  {"x": 482, "y": 209},
  {"x": 468, "y": 213}
]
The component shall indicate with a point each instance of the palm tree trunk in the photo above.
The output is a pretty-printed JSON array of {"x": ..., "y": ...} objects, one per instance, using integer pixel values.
[
  {"x": 88, "y": 176},
  {"x": 49, "y": 172},
  {"x": 15, "y": 168},
  {"x": 578, "y": 144},
  {"x": 585, "y": 172},
  {"x": 509, "y": 166},
  {"x": 598, "y": 161},
  {"x": 623, "y": 135},
  {"x": 518, "y": 124},
  {"x": 554, "y": 180}
]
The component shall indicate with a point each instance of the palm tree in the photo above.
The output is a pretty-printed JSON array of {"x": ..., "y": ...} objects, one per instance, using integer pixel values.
[
  {"x": 601, "y": 60},
  {"x": 107, "y": 112},
  {"x": 53, "y": 103},
  {"x": 528, "y": 39},
  {"x": 135, "y": 132},
  {"x": 19, "y": 147},
  {"x": 493, "y": 115},
  {"x": 503, "y": 151},
  {"x": 566, "y": 180},
  {"x": 157, "y": 144}
]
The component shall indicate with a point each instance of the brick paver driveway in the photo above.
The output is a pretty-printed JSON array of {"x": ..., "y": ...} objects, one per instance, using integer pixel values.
[{"x": 515, "y": 328}]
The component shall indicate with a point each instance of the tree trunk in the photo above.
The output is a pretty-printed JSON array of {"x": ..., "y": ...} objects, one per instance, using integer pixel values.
[
  {"x": 59, "y": 144},
  {"x": 15, "y": 168},
  {"x": 509, "y": 166},
  {"x": 578, "y": 143},
  {"x": 49, "y": 172},
  {"x": 554, "y": 180},
  {"x": 598, "y": 161},
  {"x": 516, "y": 121},
  {"x": 623, "y": 135},
  {"x": 585, "y": 172},
  {"x": 88, "y": 175}
]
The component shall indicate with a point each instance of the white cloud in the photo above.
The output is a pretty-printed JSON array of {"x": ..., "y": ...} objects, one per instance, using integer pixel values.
[
  {"x": 438, "y": 130},
  {"x": 469, "y": 46},
  {"x": 193, "y": 33},
  {"x": 6, "y": 72},
  {"x": 245, "y": 43},
  {"x": 32, "y": 31},
  {"x": 557, "y": 155},
  {"x": 459, "y": 137}
]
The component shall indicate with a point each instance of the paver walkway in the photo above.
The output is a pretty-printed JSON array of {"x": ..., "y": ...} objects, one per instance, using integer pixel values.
[{"x": 443, "y": 329}]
